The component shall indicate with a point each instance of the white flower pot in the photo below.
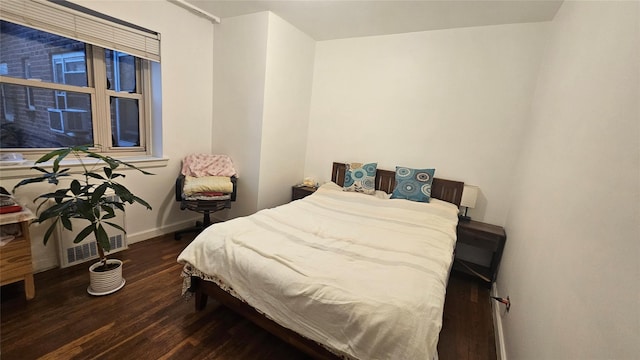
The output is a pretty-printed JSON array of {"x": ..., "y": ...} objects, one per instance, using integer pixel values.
[{"x": 105, "y": 282}]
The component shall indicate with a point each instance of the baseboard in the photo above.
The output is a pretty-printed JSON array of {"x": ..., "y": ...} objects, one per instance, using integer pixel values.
[
  {"x": 133, "y": 238},
  {"x": 501, "y": 352},
  {"x": 44, "y": 265},
  {"x": 51, "y": 261}
]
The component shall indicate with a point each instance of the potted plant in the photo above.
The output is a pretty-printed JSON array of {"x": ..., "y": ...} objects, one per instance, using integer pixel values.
[{"x": 87, "y": 197}]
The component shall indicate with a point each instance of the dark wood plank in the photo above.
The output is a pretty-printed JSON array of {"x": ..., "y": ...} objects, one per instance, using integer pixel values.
[
  {"x": 467, "y": 324},
  {"x": 148, "y": 319}
]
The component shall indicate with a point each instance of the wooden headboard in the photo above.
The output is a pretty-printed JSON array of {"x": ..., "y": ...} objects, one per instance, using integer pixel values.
[{"x": 445, "y": 190}]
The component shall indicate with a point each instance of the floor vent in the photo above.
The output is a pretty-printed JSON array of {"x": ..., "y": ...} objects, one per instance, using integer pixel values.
[
  {"x": 87, "y": 251},
  {"x": 72, "y": 254}
]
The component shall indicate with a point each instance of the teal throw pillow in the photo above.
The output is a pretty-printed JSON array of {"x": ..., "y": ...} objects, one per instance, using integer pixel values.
[
  {"x": 413, "y": 184},
  {"x": 360, "y": 178}
]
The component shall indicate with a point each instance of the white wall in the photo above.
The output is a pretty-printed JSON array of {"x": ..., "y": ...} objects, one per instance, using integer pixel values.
[
  {"x": 290, "y": 55},
  {"x": 263, "y": 70},
  {"x": 456, "y": 100},
  {"x": 187, "y": 55},
  {"x": 187, "y": 74},
  {"x": 570, "y": 264},
  {"x": 240, "y": 46}
]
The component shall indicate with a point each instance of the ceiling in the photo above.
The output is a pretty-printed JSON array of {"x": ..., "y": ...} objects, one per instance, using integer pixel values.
[{"x": 330, "y": 19}]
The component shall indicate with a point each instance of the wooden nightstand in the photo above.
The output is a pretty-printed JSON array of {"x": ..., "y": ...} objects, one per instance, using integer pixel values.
[
  {"x": 15, "y": 256},
  {"x": 487, "y": 238},
  {"x": 299, "y": 192}
]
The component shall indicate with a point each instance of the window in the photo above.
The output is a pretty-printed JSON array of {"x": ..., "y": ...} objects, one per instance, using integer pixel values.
[
  {"x": 123, "y": 99},
  {"x": 26, "y": 66},
  {"x": 59, "y": 102},
  {"x": 8, "y": 104},
  {"x": 65, "y": 87}
]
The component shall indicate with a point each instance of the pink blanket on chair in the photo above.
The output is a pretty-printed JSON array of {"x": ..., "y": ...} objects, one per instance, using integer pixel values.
[{"x": 198, "y": 165}]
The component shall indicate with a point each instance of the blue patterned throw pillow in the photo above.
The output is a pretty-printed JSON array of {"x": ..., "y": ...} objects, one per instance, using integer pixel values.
[
  {"x": 360, "y": 178},
  {"x": 413, "y": 184}
]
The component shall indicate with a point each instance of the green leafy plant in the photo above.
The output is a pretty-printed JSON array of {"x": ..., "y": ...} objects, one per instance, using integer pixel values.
[{"x": 84, "y": 198}]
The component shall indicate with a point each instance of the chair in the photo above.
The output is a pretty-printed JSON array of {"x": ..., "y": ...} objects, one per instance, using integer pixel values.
[{"x": 198, "y": 166}]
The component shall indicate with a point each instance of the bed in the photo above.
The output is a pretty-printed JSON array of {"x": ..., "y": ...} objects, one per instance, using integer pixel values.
[{"x": 336, "y": 274}]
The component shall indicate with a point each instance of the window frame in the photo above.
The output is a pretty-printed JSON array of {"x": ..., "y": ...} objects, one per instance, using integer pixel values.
[
  {"x": 26, "y": 68},
  {"x": 8, "y": 104},
  {"x": 100, "y": 97}
]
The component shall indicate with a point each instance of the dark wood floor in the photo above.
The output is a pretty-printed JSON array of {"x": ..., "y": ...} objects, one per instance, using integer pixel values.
[{"x": 148, "y": 319}]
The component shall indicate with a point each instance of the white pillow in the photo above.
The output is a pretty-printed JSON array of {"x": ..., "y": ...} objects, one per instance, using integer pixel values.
[
  {"x": 381, "y": 195},
  {"x": 330, "y": 185}
]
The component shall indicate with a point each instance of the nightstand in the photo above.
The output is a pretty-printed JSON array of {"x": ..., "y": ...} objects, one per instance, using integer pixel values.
[
  {"x": 485, "y": 238},
  {"x": 299, "y": 192},
  {"x": 15, "y": 256}
]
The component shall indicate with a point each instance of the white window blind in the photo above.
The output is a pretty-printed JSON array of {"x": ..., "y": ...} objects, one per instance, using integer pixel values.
[{"x": 64, "y": 21}]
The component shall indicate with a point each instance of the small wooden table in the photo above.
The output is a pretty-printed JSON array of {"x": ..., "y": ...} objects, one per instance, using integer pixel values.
[
  {"x": 300, "y": 192},
  {"x": 15, "y": 255},
  {"x": 485, "y": 237}
]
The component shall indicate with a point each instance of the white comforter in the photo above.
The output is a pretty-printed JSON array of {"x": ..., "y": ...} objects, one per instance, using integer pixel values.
[{"x": 362, "y": 275}]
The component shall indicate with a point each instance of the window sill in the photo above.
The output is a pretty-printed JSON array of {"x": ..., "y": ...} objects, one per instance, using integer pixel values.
[{"x": 24, "y": 170}]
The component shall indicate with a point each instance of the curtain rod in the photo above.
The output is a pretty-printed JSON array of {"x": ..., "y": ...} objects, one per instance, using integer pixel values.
[{"x": 196, "y": 10}]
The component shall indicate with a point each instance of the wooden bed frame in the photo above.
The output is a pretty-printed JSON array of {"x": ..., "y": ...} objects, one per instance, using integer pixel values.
[{"x": 446, "y": 190}]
